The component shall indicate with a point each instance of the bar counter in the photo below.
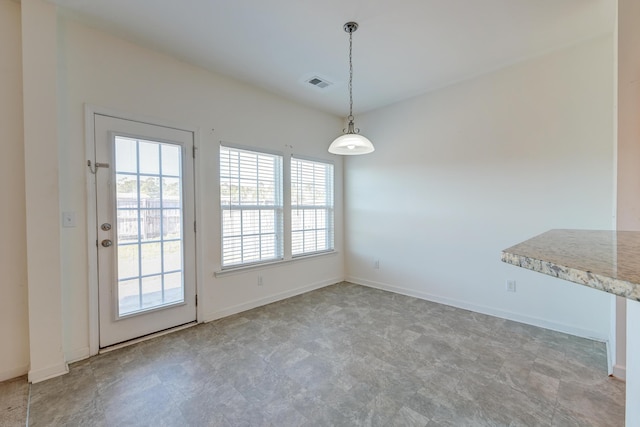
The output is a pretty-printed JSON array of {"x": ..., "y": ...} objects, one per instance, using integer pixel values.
[{"x": 604, "y": 260}]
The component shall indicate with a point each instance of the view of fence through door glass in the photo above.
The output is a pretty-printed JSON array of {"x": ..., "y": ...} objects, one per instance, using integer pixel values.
[{"x": 149, "y": 224}]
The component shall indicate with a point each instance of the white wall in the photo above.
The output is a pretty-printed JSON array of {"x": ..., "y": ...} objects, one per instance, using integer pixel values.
[
  {"x": 14, "y": 332},
  {"x": 105, "y": 71},
  {"x": 485, "y": 164},
  {"x": 469, "y": 170},
  {"x": 629, "y": 184}
]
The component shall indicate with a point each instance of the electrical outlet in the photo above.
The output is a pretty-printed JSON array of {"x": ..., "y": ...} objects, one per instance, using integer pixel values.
[
  {"x": 259, "y": 280},
  {"x": 511, "y": 285},
  {"x": 376, "y": 264}
]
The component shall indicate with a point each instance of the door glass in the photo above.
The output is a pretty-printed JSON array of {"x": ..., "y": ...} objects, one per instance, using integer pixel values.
[{"x": 149, "y": 224}]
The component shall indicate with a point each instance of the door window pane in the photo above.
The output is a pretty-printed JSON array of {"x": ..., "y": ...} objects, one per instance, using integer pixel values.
[
  {"x": 151, "y": 291},
  {"x": 149, "y": 224},
  {"x": 128, "y": 261},
  {"x": 126, "y": 155},
  {"x": 170, "y": 160},
  {"x": 149, "y": 157},
  {"x": 128, "y": 296},
  {"x": 173, "y": 289},
  {"x": 172, "y": 255}
]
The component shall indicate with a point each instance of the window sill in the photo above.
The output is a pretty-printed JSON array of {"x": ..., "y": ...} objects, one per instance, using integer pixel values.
[{"x": 245, "y": 268}]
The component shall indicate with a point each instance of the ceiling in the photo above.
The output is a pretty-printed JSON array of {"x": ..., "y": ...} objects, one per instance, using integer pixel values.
[{"x": 403, "y": 47}]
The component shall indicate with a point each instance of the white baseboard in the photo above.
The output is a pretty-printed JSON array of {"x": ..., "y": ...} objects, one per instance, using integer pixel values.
[
  {"x": 38, "y": 375},
  {"x": 620, "y": 372},
  {"x": 615, "y": 370},
  {"x": 78, "y": 354},
  {"x": 609, "y": 357},
  {"x": 14, "y": 373},
  {"x": 218, "y": 314},
  {"x": 534, "y": 321}
]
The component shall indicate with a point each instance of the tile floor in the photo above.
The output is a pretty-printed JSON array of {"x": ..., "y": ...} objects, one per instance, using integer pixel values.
[
  {"x": 14, "y": 395},
  {"x": 344, "y": 355}
]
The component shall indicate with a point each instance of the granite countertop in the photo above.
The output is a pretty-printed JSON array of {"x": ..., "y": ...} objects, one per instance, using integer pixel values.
[{"x": 604, "y": 260}]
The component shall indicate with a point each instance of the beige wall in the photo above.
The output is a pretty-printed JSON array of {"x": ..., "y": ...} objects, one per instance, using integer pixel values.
[
  {"x": 469, "y": 170},
  {"x": 108, "y": 72},
  {"x": 14, "y": 332},
  {"x": 41, "y": 150}
]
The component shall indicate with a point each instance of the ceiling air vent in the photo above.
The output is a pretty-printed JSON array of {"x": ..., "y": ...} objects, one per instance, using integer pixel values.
[{"x": 318, "y": 82}]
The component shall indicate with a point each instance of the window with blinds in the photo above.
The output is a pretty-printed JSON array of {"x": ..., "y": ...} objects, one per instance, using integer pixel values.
[
  {"x": 251, "y": 204},
  {"x": 311, "y": 207}
]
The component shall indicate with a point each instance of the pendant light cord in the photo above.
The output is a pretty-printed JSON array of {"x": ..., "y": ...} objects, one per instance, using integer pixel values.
[
  {"x": 350, "y": 27},
  {"x": 350, "y": 76}
]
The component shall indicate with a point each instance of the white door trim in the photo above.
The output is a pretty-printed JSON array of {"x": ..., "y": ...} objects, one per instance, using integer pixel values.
[{"x": 92, "y": 250}]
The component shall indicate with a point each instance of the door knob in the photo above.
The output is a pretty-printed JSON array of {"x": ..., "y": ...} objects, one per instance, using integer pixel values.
[
  {"x": 106, "y": 226},
  {"x": 106, "y": 243}
]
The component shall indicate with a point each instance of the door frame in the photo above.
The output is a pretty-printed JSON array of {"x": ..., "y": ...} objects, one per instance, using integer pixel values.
[{"x": 92, "y": 224}]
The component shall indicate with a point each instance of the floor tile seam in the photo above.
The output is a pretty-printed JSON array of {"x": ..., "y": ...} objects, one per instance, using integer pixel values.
[
  {"x": 556, "y": 404},
  {"x": 342, "y": 412},
  {"x": 271, "y": 422},
  {"x": 567, "y": 375},
  {"x": 393, "y": 343},
  {"x": 412, "y": 407},
  {"x": 513, "y": 386},
  {"x": 176, "y": 404},
  {"x": 217, "y": 404},
  {"x": 102, "y": 393},
  {"x": 556, "y": 409},
  {"x": 539, "y": 402},
  {"x": 590, "y": 389},
  {"x": 282, "y": 372}
]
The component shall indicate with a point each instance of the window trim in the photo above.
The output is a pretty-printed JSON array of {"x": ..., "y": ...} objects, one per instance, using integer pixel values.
[
  {"x": 235, "y": 146},
  {"x": 332, "y": 208},
  {"x": 239, "y": 269},
  {"x": 285, "y": 192},
  {"x": 279, "y": 225}
]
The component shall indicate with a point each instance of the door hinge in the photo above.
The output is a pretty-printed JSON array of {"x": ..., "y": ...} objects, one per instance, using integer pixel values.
[
  {"x": 96, "y": 243},
  {"x": 194, "y": 151},
  {"x": 195, "y": 228},
  {"x": 196, "y": 300}
]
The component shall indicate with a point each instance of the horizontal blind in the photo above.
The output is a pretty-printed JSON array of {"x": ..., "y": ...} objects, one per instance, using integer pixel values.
[
  {"x": 251, "y": 204},
  {"x": 312, "y": 205}
]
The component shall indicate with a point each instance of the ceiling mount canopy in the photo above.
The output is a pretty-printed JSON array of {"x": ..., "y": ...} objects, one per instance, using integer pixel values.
[{"x": 351, "y": 142}]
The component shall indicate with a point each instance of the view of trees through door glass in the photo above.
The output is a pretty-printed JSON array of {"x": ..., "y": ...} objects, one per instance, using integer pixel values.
[{"x": 149, "y": 224}]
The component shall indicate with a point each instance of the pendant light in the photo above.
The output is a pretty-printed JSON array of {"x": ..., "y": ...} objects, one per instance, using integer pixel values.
[{"x": 351, "y": 142}]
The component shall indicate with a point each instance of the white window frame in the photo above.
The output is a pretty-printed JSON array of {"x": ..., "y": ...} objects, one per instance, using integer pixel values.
[
  {"x": 328, "y": 206},
  {"x": 277, "y": 207}
]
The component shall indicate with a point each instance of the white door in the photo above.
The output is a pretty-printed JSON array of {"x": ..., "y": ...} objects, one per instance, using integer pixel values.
[{"x": 146, "y": 228}]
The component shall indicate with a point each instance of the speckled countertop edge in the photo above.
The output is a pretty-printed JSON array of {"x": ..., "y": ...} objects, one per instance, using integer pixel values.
[{"x": 610, "y": 285}]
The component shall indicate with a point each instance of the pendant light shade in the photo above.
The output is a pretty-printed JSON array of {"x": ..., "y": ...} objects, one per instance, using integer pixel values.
[{"x": 351, "y": 142}]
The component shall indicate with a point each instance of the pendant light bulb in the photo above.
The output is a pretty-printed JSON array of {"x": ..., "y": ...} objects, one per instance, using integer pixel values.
[{"x": 351, "y": 142}]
